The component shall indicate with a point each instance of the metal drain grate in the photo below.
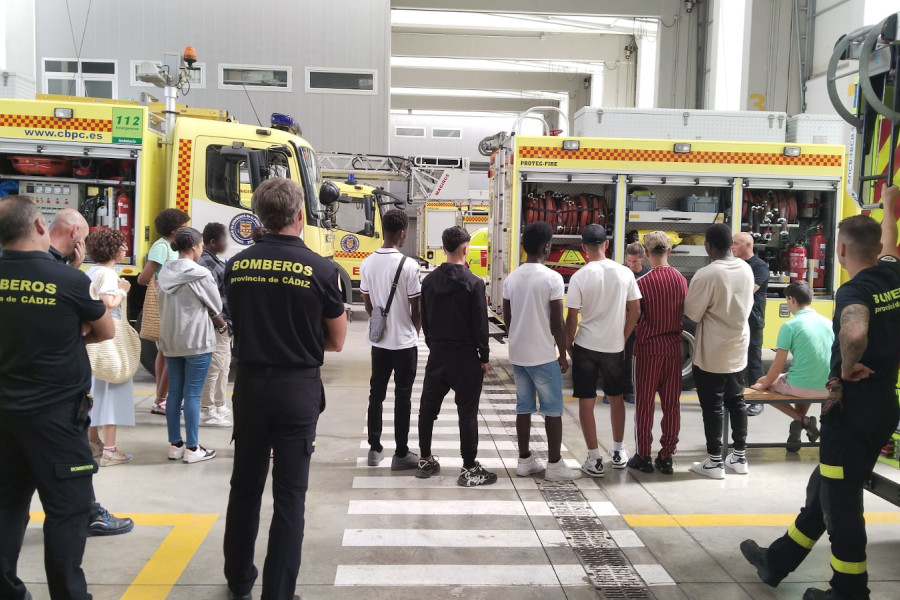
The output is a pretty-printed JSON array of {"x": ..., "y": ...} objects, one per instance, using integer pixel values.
[{"x": 603, "y": 561}]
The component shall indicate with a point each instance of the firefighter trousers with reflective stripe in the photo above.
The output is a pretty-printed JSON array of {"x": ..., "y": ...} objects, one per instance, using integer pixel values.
[
  {"x": 47, "y": 451},
  {"x": 834, "y": 503}
]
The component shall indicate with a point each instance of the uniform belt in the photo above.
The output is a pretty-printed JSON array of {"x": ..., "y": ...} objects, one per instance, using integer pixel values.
[{"x": 278, "y": 371}]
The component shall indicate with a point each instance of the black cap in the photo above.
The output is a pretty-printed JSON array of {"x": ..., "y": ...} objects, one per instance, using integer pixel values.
[{"x": 593, "y": 234}]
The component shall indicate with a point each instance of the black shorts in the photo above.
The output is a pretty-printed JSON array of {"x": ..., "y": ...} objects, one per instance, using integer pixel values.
[{"x": 588, "y": 364}]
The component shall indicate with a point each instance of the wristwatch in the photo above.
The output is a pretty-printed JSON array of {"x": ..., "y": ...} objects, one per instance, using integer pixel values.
[{"x": 222, "y": 329}]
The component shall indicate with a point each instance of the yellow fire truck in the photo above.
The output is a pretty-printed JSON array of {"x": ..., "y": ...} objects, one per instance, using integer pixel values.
[
  {"x": 437, "y": 186},
  {"x": 782, "y": 193},
  {"x": 119, "y": 163}
]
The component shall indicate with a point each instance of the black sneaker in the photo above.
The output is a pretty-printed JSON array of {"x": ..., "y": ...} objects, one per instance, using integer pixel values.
[
  {"x": 664, "y": 465},
  {"x": 793, "y": 441},
  {"x": 477, "y": 475},
  {"x": 427, "y": 468},
  {"x": 756, "y": 556},
  {"x": 641, "y": 463},
  {"x": 817, "y": 594},
  {"x": 106, "y": 524}
]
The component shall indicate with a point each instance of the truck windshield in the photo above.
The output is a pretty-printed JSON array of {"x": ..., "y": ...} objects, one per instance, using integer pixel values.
[{"x": 312, "y": 179}]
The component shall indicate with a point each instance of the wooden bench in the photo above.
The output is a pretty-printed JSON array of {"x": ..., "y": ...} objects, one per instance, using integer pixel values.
[{"x": 769, "y": 397}]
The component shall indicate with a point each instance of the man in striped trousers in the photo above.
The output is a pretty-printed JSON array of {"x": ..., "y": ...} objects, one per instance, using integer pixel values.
[{"x": 657, "y": 355}]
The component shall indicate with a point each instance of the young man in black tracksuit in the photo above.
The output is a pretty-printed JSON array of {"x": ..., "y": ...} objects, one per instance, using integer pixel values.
[{"x": 454, "y": 318}]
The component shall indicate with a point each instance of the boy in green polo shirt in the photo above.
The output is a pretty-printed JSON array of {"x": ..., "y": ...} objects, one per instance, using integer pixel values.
[{"x": 808, "y": 336}]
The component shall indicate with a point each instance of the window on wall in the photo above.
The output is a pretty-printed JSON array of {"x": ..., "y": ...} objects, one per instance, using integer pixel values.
[
  {"x": 409, "y": 132},
  {"x": 438, "y": 132},
  {"x": 255, "y": 76},
  {"x": 341, "y": 81},
  {"x": 196, "y": 76},
  {"x": 70, "y": 77}
]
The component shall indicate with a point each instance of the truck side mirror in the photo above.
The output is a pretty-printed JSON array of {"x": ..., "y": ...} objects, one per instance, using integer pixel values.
[{"x": 329, "y": 193}]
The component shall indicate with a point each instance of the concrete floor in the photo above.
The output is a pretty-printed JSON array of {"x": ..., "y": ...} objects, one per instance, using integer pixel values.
[{"x": 374, "y": 534}]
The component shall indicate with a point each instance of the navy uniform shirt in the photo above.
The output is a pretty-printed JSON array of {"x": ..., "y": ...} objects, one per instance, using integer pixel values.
[
  {"x": 43, "y": 360},
  {"x": 761, "y": 278},
  {"x": 878, "y": 289},
  {"x": 279, "y": 291}
]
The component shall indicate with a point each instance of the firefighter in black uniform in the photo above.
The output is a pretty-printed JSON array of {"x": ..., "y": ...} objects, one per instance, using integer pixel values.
[
  {"x": 858, "y": 419},
  {"x": 48, "y": 314},
  {"x": 286, "y": 310}
]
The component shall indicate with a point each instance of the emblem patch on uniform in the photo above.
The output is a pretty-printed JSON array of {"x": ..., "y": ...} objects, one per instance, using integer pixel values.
[
  {"x": 242, "y": 226},
  {"x": 349, "y": 243},
  {"x": 95, "y": 290}
]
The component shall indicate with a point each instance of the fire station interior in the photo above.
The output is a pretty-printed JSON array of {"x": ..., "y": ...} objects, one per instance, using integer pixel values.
[{"x": 429, "y": 83}]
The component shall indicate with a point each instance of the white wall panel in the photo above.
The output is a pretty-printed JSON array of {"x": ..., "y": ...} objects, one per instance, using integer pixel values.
[{"x": 315, "y": 33}]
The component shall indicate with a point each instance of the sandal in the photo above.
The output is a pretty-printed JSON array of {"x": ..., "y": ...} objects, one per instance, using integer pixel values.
[
  {"x": 159, "y": 408},
  {"x": 111, "y": 457}
]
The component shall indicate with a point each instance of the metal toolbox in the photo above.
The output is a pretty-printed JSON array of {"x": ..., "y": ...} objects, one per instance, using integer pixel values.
[
  {"x": 680, "y": 124},
  {"x": 817, "y": 129},
  {"x": 695, "y": 203},
  {"x": 641, "y": 202}
]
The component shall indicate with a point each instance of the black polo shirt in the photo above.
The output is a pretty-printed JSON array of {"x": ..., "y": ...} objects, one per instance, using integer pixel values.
[
  {"x": 878, "y": 289},
  {"x": 42, "y": 356},
  {"x": 279, "y": 291},
  {"x": 761, "y": 278}
]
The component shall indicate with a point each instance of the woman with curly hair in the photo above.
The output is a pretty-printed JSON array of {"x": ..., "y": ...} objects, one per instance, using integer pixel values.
[
  {"x": 113, "y": 402},
  {"x": 167, "y": 223}
]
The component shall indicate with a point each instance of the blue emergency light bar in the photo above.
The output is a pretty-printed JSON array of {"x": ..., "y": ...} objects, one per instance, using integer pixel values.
[{"x": 285, "y": 123}]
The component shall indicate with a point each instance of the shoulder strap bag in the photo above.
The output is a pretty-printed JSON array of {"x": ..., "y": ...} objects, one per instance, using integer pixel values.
[
  {"x": 117, "y": 360},
  {"x": 378, "y": 319}
]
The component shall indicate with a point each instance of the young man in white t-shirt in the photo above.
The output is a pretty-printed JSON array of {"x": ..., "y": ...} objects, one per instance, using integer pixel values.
[
  {"x": 397, "y": 351},
  {"x": 533, "y": 313},
  {"x": 719, "y": 300},
  {"x": 606, "y": 296}
]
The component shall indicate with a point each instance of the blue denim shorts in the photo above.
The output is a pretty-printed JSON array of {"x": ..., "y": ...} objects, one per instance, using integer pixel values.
[{"x": 543, "y": 382}]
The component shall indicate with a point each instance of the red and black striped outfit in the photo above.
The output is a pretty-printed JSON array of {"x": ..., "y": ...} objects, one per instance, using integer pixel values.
[{"x": 657, "y": 358}]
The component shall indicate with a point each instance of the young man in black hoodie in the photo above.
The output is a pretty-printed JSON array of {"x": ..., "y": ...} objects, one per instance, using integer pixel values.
[{"x": 454, "y": 318}]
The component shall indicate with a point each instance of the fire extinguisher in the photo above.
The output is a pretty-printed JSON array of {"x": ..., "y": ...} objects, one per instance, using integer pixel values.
[
  {"x": 817, "y": 253},
  {"x": 124, "y": 216},
  {"x": 797, "y": 262}
]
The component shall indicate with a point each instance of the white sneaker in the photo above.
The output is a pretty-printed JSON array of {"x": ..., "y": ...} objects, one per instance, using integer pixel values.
[
  {"x": 592, "y": 467},
  {"x": 738, "y": 465},
  {"x": 708, "y": 468},
  {"x": 215, "y": 420},
  {"x": 200, "y": 454},
  {"x": 223, "y": 411},
  {"x": 558, "y": 471},
  {"x": 619, "y": 458},
  {"x": 176, "y": 453},
  {"x": 529, "y": 466}
]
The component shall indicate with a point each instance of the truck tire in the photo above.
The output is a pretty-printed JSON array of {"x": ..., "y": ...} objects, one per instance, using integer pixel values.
[
  {"x": 689, "y": 328},
  {"x": 148, "y": 349}
]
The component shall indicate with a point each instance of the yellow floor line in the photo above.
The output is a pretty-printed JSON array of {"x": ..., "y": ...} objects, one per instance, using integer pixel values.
[
  {"x": 741, "y": 520},
  {"x": 160, "y": 573}
]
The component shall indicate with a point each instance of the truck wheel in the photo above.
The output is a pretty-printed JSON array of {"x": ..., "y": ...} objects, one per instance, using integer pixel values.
[
  {"x": 689, "y": 328},
  {"x": 148, "y": 349}
]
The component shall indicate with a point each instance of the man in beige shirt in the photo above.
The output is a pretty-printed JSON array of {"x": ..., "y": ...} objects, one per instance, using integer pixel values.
[{"x": 719, "y": 300}]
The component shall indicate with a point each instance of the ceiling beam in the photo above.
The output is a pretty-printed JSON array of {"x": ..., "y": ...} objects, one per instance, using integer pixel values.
[
  {"x": 611, "y": 8},
  {"x": 410, "y": 77},
  {"x": 458, "y": 104},
  {"x": 585, "y": 47}
]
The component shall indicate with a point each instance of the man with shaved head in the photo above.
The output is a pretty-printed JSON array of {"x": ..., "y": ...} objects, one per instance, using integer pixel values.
[
  {"x": 67, "y": 233},
  {"x": 742, "y": 247}
]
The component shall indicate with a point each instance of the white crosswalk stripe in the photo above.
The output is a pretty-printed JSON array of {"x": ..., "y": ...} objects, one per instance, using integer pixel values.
[
  {"x": 454, "y": 445},
  {"x": 390, "y": 519},
  {"x": 460, "y": 575}
]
